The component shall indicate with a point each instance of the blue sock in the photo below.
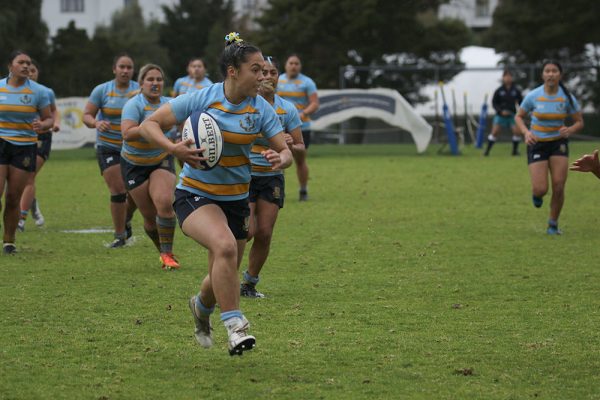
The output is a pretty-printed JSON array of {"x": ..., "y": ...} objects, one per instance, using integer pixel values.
[
  {"x": 253, "y": 280},
  {"x": 553, "y": 223},
  {"x": 203, "y": 309},
  {"x": 537, "y": 201},
  {"x": 231, "y": 314}
]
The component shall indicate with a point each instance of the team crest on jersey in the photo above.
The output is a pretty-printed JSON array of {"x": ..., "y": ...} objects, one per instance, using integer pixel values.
[
  {"x": 25, "y": 99},
  {"x": 247, "y": 123},
  {"x": 561, "y": 107},
  {"x": 26, "y": 161}
]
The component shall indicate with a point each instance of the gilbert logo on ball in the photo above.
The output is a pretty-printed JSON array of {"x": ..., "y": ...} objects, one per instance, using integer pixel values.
[{"x": 206, "y": 133}]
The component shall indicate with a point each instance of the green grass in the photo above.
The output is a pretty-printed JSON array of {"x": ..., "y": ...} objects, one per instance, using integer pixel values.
[{"x": 405, "y": 276}]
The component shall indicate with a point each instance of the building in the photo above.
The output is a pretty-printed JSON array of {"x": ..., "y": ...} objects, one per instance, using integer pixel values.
[
  {"x": 88, "y": 14},
  {"x": 476, "y": 14}
]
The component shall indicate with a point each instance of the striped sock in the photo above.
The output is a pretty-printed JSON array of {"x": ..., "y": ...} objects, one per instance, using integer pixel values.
[
  {"x": 166, "y": 231},
  {"x": 24, "y": 214}
]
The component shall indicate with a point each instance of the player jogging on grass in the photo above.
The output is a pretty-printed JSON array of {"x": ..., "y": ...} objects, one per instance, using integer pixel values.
[
  {"x": 301, "y": 91},
  {"x": 195, "y": 80},
  {"x": 44, "y": 144},
  {"x": 504, "y": 101},
  {"x": 547, "y": 138},
  {"x": 148, "y": 170},
  {"x": 212, "y": 206},
  {"x": 103, "y": 112},
  {"x": 267, "y": 188},
  {"x": 24, "y": 112}
]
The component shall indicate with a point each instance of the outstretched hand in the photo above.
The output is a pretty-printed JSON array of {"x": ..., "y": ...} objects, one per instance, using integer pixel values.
[{"x": 587, "y": 163}]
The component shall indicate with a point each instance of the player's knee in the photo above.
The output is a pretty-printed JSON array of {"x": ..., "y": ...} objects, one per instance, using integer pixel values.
[
  {"x": 225, "y": 249},
  {"x": 540, "y": 190},
  {"x": 263, "y": 235}
]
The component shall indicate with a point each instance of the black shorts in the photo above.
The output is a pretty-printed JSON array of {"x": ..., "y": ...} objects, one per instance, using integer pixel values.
[
  {"x": 269, "y": 188},
  {"x": 44, "y": 145},
  {"x": 21, "y": 157},
  {"x": 542, "y": 151},
  {"x": 107, "y": 157},
  {"x": 135, "y": 175},
  {"x": 237, "y": 212},
  {"x": 306, "y": 137}
]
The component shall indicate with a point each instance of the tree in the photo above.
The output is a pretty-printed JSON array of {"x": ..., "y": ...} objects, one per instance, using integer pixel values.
[
  {"x": 21, "y": 27},
  {"x": 128, "y": 32},
  {"x": 76, "y": 63},
  {"x": 568, "y": 31},
  {"x": 333, "y": 33},
  {"x": 195, "y": 28}
]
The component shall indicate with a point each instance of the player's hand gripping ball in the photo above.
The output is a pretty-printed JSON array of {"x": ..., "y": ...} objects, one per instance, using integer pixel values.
[{"x": 206, "y": 133}]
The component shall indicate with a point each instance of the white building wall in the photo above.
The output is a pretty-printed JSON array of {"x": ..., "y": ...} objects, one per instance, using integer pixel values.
[
  {"x": 476, "y": 14},
  {"x": 96, "y": 12},
  {"x": 99, "y": 12}
]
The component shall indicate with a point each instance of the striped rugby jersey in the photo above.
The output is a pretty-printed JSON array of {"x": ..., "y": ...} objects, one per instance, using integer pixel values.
[
  {"x": 19, "y": 107},
  {"x": 297, "y": 91},
  {"x": 187, "y": 84},
  {"x": 290, "y": 120},
  {"x": 110, "y": 102},
  {"x": 547, "y": 112},
  {"x": 240, "y": 125},
  {"x": 140, "y": 151}
]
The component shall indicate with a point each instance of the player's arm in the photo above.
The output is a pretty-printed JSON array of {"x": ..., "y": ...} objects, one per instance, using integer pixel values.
[
  {"x": 130, "y": 129},
  {"x": 161, "y": 121},
  {"x": 313, "y": 105},
  {"x": 45, "y": 122},
  {"x": 55, "y": 117},
  {"x": 566, "y": 131},
  {"x": 530, "y": 138},
  {"x": 294, "y": 140},
  {"x": 279, "y": 155},
  {"x": 89, "y": 118}
]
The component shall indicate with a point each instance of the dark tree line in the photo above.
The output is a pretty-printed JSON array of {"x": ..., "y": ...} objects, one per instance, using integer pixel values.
[{"x": 326, "y": 33}]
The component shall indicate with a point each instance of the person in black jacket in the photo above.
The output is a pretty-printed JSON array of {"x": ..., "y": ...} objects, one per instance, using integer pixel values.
[{"x": 505, "y": 99}]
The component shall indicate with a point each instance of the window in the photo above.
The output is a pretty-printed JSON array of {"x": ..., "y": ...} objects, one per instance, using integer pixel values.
[
  {"x": 71, "y": 6},
  {"x": 482, "y": 8}
]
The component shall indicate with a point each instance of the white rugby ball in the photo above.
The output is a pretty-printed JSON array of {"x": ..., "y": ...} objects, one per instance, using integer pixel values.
[{"x": 206, "y": 133}]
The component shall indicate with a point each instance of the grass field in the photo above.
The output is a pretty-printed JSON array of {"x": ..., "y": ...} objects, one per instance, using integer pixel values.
[{"x": 405, "y": 276}]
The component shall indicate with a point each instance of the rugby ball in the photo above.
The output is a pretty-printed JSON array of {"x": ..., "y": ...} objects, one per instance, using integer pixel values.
[{"x": 206, "y": 133}]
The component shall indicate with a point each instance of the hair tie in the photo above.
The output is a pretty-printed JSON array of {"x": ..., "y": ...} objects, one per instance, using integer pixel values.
[{"x": 233, "y": 37}]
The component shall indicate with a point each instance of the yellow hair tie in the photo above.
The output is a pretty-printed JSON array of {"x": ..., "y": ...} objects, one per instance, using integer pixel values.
[{"x": 233, "y": 37}]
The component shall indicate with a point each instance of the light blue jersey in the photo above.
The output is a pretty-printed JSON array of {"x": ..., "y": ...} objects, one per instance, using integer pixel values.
[
  {"x": 240, "y": 125},
  {"x": 187, "y": 84},
  {"x": 52, "y": 99},
  {"x": 110, "y": 100},
  {"x": 19, "y": 107},
  {"x": 290, "y": 120},
  {"x": 548, "y": 113},
  {"x": 140, "y": 151},
  {"x": 297, "y": 91}
]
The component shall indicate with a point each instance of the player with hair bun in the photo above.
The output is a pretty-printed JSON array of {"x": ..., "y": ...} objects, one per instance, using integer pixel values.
[
  {"x": 24, "y": 112},
  {"x": 267, "y": 188},
  {"x": 103, "y": 113},
  {"x": 148, "y": 170},
  {"x": 549, "y": 105},
  {"x": 212, "y": 205}
]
